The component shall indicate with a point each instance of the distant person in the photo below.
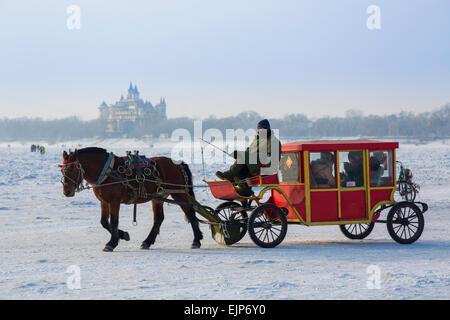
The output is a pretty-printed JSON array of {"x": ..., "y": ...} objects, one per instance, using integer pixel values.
[{"x": 249, "y": 163}]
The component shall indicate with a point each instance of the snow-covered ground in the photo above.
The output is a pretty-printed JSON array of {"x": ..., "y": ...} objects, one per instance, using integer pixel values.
[{"x": 47, "y": 238}]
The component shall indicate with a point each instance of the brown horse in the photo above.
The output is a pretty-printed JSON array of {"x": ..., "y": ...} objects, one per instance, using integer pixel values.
[{"x": 88, "y": 164}]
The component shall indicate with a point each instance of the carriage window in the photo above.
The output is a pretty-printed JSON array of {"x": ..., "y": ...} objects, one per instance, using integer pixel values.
[
  {"x": 351, "y": 169},
  {"x": 381, "y": 169},
  {"x": 322, "y": 169},
  {"x": 289, "y": 170}
]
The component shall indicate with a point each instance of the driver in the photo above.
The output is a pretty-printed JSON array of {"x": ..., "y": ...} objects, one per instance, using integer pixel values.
[{"x": 250, "y": 161}]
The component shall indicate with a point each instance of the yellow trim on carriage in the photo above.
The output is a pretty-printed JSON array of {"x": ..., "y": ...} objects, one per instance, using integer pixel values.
[
  {"x": 307, "y": 187},
  {"x": 263, "y": 191},
  {"x": 338, "y": 174}
]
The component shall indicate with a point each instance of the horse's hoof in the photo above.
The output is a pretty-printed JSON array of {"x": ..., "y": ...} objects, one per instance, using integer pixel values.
[
  {"x": 195, "y": 246},
  {"x": 108, "y": 249},
  {"x": 145, "y": 246},
  {"x": 126, "y": 236}
]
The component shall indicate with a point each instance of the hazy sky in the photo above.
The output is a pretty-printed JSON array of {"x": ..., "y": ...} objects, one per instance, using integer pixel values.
[{"x": 223, "y": 57}]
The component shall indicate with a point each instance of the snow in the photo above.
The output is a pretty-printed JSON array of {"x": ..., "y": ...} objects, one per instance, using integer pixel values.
[{"x": 45, "y": 234}]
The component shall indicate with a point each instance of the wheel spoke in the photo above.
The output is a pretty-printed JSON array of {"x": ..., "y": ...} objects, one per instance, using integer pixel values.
[
  {"x": 401, "y": 234},
  {"x": 274, "y": 235},
  {"x": 273, "y": 227},
  {"x": 266, "y": 236},
  {"x": 260, "y": 229},
  {"x": 412, "y": 230}
]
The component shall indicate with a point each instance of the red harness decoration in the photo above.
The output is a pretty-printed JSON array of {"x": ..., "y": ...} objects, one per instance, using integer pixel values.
[{"x": 65, "y": 162}]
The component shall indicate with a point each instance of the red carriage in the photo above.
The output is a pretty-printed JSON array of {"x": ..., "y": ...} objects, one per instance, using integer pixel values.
[{"x": 346, "y": 183}]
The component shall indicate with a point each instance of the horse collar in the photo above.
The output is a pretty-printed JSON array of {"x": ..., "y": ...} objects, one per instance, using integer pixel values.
[{"x": 108, "y": 165}]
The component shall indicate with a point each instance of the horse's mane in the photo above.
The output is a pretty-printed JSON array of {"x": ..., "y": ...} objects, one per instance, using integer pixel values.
[{"x": 91, "y": 150}]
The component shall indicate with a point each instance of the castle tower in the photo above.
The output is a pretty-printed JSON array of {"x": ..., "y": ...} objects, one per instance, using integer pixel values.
[
  {"x": 161, "y": 108},
  {"x": 133, "y": 94},
  {"x": 103, "y": 109}
]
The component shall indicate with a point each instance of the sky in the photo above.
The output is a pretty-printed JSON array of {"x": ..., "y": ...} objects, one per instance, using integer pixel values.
[{"x": 217, "y": 57}]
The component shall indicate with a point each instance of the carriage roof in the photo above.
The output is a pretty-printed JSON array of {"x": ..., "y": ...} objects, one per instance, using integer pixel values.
[{"x": 327, "y": 145}]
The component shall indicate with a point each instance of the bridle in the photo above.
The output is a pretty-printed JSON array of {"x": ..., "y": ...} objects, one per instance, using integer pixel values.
[{"x": 76, "y": 164}]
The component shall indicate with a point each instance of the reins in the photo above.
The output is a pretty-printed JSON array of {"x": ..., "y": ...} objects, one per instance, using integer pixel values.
[
  {"x": 121, "y": 181},
  {"x": 80, "y": 187}
]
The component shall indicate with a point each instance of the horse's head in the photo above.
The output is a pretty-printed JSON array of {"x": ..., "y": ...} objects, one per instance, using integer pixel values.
[{"x": 72, "y": 173}]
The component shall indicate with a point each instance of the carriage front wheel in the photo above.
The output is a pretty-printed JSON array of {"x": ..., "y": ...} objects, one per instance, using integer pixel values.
[
  {"x": 232, "y": 212},
  {"x": 405, "y": 222},
  {"x": 267, "y": 226}
]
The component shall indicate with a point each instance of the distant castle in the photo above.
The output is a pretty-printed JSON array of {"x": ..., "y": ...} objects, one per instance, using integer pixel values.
[{"x": 125, "y": 113}]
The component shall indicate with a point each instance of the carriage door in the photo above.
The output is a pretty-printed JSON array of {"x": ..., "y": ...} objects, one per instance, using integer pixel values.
[
  {"x": 324, "y": 201},
  {"x": 352, "y": 185}
]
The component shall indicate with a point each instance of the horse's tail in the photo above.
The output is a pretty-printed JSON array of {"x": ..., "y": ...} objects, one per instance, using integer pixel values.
[{"x": 189, "y": 182}]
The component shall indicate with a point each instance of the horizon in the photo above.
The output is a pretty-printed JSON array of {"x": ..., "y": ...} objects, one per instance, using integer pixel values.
[
  {"x": 311, "y": 118},
  {"x": 219, "y": 59}
]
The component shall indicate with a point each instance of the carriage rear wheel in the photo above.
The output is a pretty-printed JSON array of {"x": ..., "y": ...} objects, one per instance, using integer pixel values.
[
  {"x": 357, "y": 231},
  {"x": 405, "y": 222},
  {"x": 267, "y": 226},
  {"x": 227, "y": 212}
]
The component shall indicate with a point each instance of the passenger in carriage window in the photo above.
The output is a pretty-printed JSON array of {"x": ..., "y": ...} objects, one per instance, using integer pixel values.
[
  {"x": 322, "y": 170},
  {"x": 376, "y": 168},
  {"x": 353, "y": 175},
  {"x": 328, "y": 158}
]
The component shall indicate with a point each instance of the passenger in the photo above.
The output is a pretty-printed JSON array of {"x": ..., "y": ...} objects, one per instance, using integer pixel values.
[
  {"x": 376, "y": 168},
  {"x": 328, "y": 157},
  {"x": 354, "y": 172},
  {"x": 322, "y": 172}
]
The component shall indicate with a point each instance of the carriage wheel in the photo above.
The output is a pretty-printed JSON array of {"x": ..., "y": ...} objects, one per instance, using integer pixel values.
[
  {"x": 406, "y": 191},
  {"x": 357, "y": 231},
  {"x": 267, "y": 226},
  {"x": 410, "y": 194},
  {"x": 226, "y": 213},
  {"x": 405, "y": 222}
]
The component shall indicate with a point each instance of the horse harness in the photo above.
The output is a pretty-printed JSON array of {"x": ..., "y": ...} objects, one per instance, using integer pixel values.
[
  {"x": 135, "y": 168},
  {"x": 139, "y": 169}
]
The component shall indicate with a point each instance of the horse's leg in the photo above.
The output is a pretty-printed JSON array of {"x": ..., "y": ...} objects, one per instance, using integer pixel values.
[
  {"x": 114, "y": 208},
  {"x": 158, "y": 218},
  {"x": 105, "y": 222},
  {"x": 192, "y": 219}
]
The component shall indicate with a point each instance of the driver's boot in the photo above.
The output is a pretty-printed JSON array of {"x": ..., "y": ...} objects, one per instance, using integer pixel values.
[{"x": 225, "y": 176}]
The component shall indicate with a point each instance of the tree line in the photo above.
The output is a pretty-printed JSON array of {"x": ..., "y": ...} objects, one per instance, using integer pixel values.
[{"x": 433, "y": 124}]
